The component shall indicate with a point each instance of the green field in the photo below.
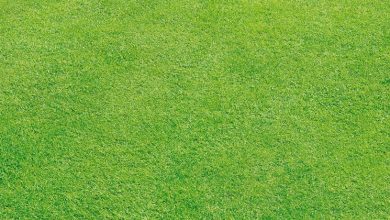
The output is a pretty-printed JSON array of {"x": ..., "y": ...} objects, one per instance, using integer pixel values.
[{"x": 194, "y": 109}]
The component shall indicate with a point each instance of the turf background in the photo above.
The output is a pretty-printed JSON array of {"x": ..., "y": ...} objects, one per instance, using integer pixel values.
[{"x": 194, "y": 109}]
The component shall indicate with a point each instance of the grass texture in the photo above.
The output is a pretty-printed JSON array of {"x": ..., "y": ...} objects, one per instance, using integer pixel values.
[{"x": 211, "y": 109}]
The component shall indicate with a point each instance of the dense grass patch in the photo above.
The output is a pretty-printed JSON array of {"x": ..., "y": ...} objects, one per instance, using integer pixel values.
[{"x": 194, "y": 109}]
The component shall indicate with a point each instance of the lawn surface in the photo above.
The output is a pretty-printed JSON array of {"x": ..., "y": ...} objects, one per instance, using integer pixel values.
[{"x": 194, "y": 109}]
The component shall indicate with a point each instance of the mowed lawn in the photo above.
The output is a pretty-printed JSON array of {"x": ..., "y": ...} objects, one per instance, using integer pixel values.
[{"x": 212, "y": 109}]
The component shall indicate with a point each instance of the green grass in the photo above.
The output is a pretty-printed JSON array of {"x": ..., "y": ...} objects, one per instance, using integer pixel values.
[{"x": 194, "y": 109}]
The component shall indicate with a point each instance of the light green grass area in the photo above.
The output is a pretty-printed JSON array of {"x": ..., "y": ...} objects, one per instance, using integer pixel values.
[{"x": 214, "y": 109}]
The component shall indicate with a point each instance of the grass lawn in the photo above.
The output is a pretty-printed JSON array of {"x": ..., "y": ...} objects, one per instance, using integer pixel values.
[{"x": 188, "y": 109}]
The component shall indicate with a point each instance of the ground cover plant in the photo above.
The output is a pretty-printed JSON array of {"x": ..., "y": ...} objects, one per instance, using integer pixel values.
[{"x": 191, "y": 109}]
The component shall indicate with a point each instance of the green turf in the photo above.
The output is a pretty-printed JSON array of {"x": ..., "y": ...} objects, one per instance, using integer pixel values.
[{"x": 194, "y": 109}]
